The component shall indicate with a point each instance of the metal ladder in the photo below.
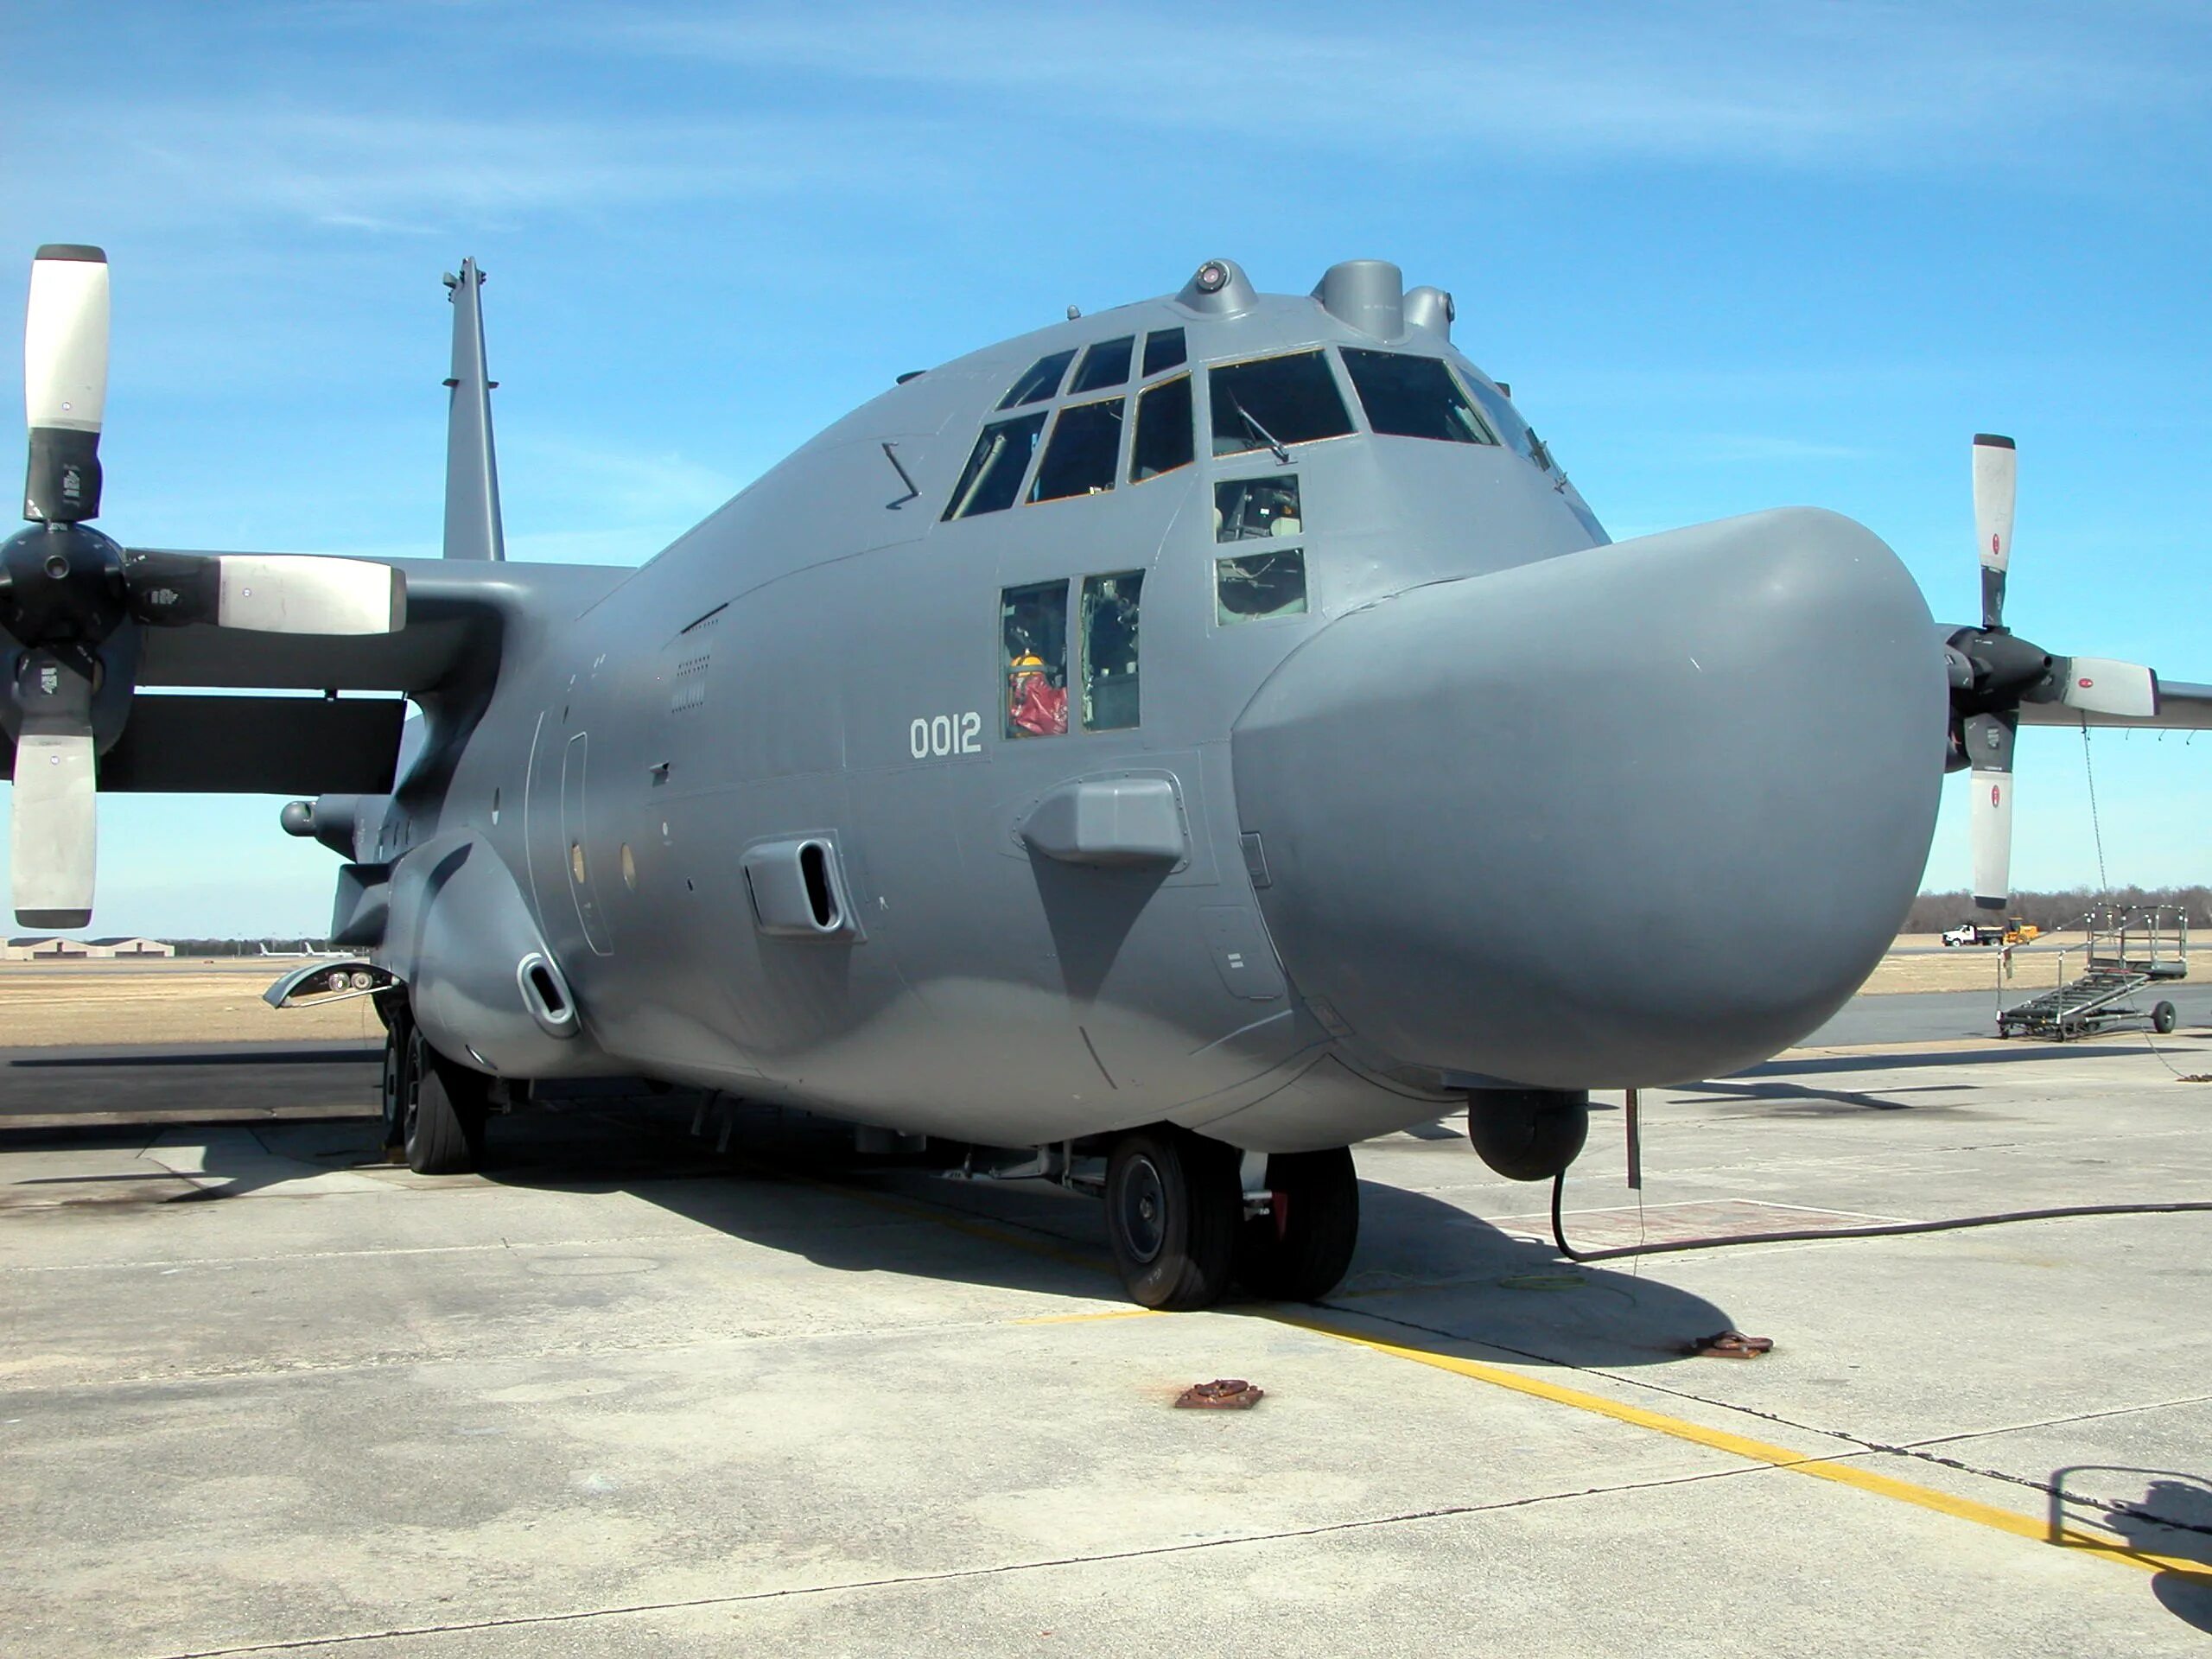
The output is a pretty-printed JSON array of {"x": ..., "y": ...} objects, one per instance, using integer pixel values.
[{"x": 2128, "y": 949}]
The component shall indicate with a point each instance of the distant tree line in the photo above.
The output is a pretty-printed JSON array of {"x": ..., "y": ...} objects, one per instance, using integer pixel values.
[
  {"x": 1934, "y": 912},
  {"x": 245, "y": 947}
]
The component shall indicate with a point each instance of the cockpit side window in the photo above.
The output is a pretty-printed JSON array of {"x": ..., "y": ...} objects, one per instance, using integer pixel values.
[
  {"x": 1109, "y": 650},
  {"x": 1085, "y": 448},
  {"x": 1163, "y": 350},
  {"x": 1041, "y": 382},
  {"x": 1255, "y": 586},
  {"x": 1106, "y": 364},
  {"x": 993, "y": 476},
  {"x": 1408, "y": 397},
  {"x": 1274, "y": 402},
  {"x": 1164, "y": 437},
  {"x": 1033, "y": 636},
  {"x": 1257, "y": 509}
]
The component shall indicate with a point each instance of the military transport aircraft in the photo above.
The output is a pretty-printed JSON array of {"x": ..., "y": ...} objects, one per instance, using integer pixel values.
[{"x": 1167, "y": 747}]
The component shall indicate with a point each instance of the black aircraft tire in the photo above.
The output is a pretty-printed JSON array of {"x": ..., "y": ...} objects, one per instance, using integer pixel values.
[
  {"x": 445, "y": 1113},
  {"x": 1527, "y": 1135},
  {"x": 2162, "y": 1018},
  {"x": 1298, "y": 1253},
  {"x": 397, "y": 1054},
  {"x": 1173, "y": 1206}
]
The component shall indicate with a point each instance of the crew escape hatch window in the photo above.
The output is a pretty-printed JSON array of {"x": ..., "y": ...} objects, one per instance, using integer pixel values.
[
  {"x": 1033, "y": 655},
  {"x": 1267, "y": 576}
]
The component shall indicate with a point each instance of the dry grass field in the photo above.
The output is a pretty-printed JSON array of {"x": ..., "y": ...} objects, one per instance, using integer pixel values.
[
  {"x": 1918, "y": 962},
  {"x": 46, "y": 1005}
]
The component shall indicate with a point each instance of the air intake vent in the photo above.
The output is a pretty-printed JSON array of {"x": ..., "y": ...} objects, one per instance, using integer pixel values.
[
  {"x": 798, "y": 889},
  {"x": 545, "y": 994}
]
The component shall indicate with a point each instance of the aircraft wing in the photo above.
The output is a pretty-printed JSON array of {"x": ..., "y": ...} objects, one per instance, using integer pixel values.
[
  {"x": 460, "y": 614},
  {"x": 2183, "y": 707},
  {"x": 459, "y": 617}
]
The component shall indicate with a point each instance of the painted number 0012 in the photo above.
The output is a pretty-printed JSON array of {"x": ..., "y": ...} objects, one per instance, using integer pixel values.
[{"x": 942, "y": 735}]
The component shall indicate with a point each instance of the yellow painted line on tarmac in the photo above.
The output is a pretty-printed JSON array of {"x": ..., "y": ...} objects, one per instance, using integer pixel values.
[
  {"x": 1094, "y": 1319},
  {"x": 1776, "y": 1456},
  {"x": 1795, "y": 1463}
]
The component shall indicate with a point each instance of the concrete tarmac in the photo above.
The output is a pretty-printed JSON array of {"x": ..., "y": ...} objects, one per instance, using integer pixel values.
[{"x": 261, "y": 1391}]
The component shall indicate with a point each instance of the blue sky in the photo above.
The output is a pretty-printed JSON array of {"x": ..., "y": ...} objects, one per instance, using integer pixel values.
[{"x": 1729, "y": 256}]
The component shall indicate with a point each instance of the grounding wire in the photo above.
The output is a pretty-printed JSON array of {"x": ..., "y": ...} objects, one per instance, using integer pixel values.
[{"x": 1887, "y": 1229}]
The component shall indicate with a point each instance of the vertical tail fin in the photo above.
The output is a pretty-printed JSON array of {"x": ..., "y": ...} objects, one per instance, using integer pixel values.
[{"x": 472, "y": 529}]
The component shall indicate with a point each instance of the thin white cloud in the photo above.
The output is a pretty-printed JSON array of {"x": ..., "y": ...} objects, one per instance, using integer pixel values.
[
  {"x": 393, "y": 172},
  {"x": 1721, "y": 79}
]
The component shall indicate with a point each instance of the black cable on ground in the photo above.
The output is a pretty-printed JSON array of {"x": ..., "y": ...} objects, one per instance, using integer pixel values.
[{"x": 1887, "y": 1229}]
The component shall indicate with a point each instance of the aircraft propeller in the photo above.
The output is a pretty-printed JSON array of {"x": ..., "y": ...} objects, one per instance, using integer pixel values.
[
  {"x": 1993, "y": 671},
  {"x": 72, "y": 598}
]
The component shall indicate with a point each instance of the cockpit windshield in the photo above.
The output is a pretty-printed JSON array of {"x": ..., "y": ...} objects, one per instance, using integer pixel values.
[
  {"x": 1274, "y": 402},
  {"x": 993, "y": 476},
  {"x": 1408, "y": 397},
  {"x": 1507, "y": 420}
]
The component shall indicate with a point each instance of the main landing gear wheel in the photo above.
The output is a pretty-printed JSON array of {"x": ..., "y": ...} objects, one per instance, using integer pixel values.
[
  {"x": 2162, "y": 1018},
  {"x": 442, "y": 1109},
  {"x": 397, "y": 1028},
  {"x": 1299, "y": 1249},
  {"x": 1174, "y": 1203}
]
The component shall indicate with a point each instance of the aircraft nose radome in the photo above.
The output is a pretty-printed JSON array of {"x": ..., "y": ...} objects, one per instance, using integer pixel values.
[{"x": 1635, "y": 815}]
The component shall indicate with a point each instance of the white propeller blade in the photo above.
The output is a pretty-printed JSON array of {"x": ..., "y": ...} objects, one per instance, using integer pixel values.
[
  {"x": 2098, "y": 685},
  {"x": 1996, "y": 477},
  {"x": 293, "y": 592},
  {"x": 65, "y": 383},
  {"x": 64, "y": 339},
  {"x": 1990, "y": 823},
  {"x": 52, "y": 850}
]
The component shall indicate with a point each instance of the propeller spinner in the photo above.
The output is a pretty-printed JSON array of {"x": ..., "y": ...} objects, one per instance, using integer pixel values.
[
  {"x": 1993, "y": 671},
  {"x": 71, "y": 597}
]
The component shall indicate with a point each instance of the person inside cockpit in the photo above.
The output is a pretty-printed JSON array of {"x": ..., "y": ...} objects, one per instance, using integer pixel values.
[{"x": 1035, "y": 706}]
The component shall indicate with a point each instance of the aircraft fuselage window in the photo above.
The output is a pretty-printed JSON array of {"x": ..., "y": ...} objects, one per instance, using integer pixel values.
[
  {"x": 1256, "y": 508},
  {"x": 1041, "y": 382},
  {"x": 1033, "y": 655},
  {"x": 1109, "y": 650},
  {"x": 1257, "y": 585},
  {"x": 1086, "y": 447},
  {"x": 1275, "y": 400},
  {"x": 992, "y": 477},
  {"x": 1408, "y": 396},
  {"x": 1106, "y": 364},
  {"x": 1163, "y": 439},
  {"x": 1163, "y": 350}
]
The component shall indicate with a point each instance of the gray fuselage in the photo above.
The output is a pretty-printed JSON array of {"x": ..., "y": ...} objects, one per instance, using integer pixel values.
[{"x": 1498, "y": 802}]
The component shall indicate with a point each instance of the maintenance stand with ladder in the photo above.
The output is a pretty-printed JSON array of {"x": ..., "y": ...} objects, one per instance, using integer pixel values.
[{"x": 2127, "y": 951}]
